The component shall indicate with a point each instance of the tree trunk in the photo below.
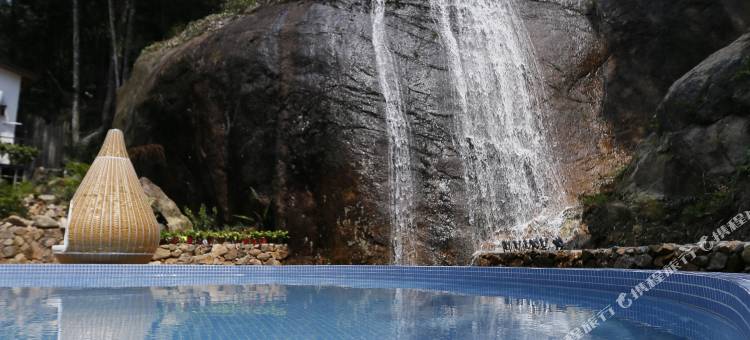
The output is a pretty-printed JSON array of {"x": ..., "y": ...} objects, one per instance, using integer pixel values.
[
  {"x": 107, "y": 108},
  {"x": 113, "y": 38},
  {"x": 75, "y": 123},
  {"x": 127, "y": 41}
]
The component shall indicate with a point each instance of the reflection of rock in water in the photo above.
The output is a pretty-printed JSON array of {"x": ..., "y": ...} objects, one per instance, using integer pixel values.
[
  {"x": 423, "y": 313},
  {"x": 98, "y": 314}
]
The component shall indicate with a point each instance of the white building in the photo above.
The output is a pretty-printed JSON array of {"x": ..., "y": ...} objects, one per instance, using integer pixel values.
[{"x": 10, "y": 91}]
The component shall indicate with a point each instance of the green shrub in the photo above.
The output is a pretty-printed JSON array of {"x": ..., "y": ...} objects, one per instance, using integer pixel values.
[
  {"x": 18, "y": 154},
  {"x": 65, "y": 187},
  {"x": 11, "y": 198},
  {"x": 203, "y": 220}
]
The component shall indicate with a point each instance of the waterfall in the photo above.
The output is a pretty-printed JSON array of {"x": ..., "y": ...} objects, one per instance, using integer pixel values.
[
  {"x": 399, "y": 162},
  {"x": 512, "y": 183}
]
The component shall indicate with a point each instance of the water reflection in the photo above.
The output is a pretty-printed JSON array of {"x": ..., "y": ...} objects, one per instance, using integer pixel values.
[{"x": 296, "y": 312}]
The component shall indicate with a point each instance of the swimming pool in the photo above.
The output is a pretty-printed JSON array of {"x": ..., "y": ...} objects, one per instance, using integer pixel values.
[{"x": 360, "y": 302}]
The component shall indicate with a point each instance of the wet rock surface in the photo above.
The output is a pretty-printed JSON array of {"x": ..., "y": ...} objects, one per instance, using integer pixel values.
[
  {"x": 284, "y": 101},
  {"x": 691, "y": 175}
]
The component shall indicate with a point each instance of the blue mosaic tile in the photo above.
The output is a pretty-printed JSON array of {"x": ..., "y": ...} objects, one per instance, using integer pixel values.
[{"x": 725, "y": 296}]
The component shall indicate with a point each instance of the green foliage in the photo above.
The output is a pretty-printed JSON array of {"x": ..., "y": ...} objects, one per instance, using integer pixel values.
[
  {"x": 651, "y": 209},
  {"x": 65, "y": 187},
  {"x": 708, "y": 205},
  {"x": 237, "y": 236},
  {"x": 237, "y": 6},
  {"x": 181, "y": 33},
  {"x": 744, "y": 71},
  {"x": 11, "y": 197},
  {"x": 743, "y": 170},
  {"x": 262, "y": 216},
  {"x": 597, "y": 199},
  {"x": 193, "y": 29},
  {"x": 18, "y": 154},
  {"x": 203, "y": 220}
]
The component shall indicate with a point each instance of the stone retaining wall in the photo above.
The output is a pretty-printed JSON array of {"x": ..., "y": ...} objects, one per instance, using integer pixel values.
[
  {"x": 224, "y": 253},
  {"x": 726, "y": 256},
  {"x": 22, "y": 242}
]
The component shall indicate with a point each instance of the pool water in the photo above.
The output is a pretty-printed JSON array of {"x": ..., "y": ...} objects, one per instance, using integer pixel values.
[{"x": 297, "y": 311}]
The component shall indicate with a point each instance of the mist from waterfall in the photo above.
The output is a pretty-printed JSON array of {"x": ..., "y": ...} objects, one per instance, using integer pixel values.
[
  {"x": 512, "y": 183},
  {"x": 399, "y": 161}
]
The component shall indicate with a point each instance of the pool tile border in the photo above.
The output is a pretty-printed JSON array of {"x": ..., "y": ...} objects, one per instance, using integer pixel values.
[{"x": 724, "y": 294}]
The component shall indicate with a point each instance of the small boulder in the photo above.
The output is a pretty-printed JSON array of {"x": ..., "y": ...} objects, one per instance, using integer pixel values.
[
  {"x": 717, "y": 261},
  {"x": 643, "y": 261},
  {"x": 162, "y": 205},
  {"x": 38, "y": 252},
  {"x": 725, "y": 247},
  {"x": 625, "y": 262},
  {"x": 231, "y": 254},
  {"x": 734, "y": 263},
  {"x": 272, "y": 262},
  {"x": 34, "y": 234},
  {"x": 189, "y": 248},
  {"x": 667, "y": 248},
  {"x": 161, "y": 254},
  {"x": 701, "y": 261},
  {"x": 282, "y": 252},
  {"x": 184, "y": 258},
  {"x": 19, "y": 230},
  {"x": 9, "y": 251},
  {"x": 18, "y": 221},
  {"x": 50, "y": 242},
  {"x": 47, "y": 198},
  {"x": 264, "y": 256},
  {"x": 203, "y": 259},
  {"x": 45, "y": 222},
  {"x": 219, "y": 250}
]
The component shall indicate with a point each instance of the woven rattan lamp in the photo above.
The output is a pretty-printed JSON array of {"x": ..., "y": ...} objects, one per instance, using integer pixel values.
[{"x": 109, "y": 219}]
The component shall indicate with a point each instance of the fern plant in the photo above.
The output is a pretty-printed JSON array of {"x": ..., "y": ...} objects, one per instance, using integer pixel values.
[{"x": 203, "y": 220}]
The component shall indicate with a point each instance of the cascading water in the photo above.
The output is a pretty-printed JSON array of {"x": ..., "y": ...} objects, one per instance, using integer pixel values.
[
  {"x": 513, "y": 186},
  {"x": 399, "y": 162}
]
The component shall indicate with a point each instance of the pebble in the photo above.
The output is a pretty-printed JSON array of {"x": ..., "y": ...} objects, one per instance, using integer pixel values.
[
  {"x": 45, "y": 222},
  {"x": 717, "y": 261}
]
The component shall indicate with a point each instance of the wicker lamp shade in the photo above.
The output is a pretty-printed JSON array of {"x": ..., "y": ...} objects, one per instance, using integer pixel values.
[{"x": 110, "y": 219}]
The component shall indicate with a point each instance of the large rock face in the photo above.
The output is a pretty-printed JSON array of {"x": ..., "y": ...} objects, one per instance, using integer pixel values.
[
  {"x": 651, "y": 43},
  {"x": 693, "y": 174},
  {"x": 284, "y": 101}
]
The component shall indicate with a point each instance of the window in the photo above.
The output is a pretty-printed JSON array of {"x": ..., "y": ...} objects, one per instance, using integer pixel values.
[{"x": 2, "y": 103}]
